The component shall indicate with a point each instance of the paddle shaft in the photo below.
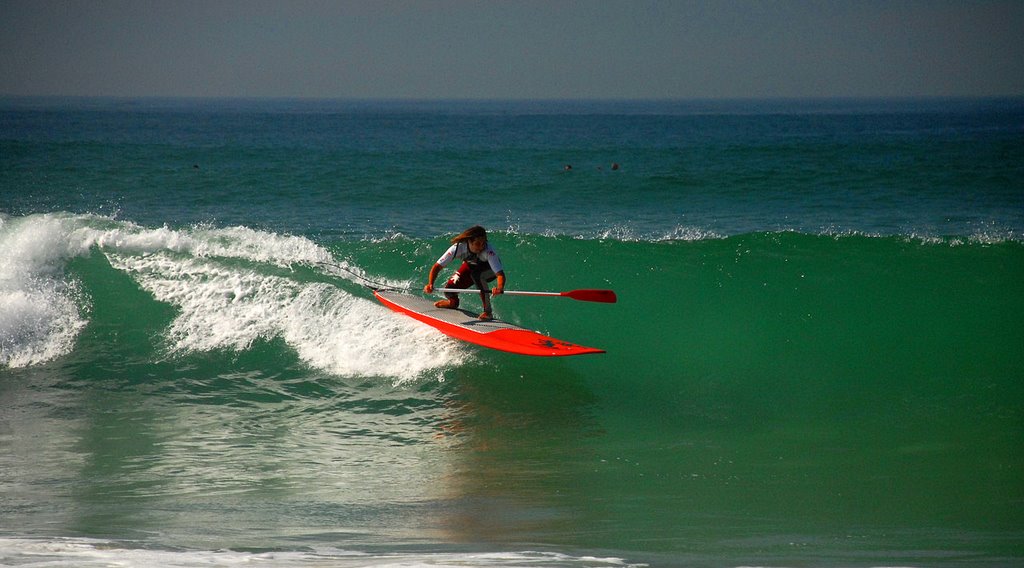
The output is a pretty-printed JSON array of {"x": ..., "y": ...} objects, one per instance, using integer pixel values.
[
  {"x": 509, "y": 292},
  {"x": 606, "y": 296}
]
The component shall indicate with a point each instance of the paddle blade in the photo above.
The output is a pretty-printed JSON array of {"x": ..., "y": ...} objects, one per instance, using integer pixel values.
[{"x": 586, "y": 295}]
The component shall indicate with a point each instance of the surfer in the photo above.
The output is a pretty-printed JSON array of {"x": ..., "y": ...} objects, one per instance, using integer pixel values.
[{"x": 480, "y": 265}]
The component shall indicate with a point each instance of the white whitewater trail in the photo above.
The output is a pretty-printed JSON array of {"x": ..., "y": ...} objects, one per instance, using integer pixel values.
[{"x": 213, "y": 277}]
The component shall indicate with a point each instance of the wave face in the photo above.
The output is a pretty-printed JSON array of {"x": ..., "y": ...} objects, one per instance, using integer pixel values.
[{"x": 793, "y": 302}]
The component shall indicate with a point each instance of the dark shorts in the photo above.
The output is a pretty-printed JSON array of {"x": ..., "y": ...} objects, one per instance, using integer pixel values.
[{"x": 466, "y": 276}]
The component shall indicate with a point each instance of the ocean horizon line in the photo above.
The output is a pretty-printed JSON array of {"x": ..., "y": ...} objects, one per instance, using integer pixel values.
[{"x": 693, "y": 105}]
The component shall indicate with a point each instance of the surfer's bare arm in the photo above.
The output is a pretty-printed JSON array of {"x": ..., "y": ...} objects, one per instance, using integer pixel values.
[
  {"x": 501, "y": 284},
  {"x": 433, "y": 276}
]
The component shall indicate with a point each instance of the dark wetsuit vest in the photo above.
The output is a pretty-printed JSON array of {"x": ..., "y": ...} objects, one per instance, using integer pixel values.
[{"x": 474, "y": 270}]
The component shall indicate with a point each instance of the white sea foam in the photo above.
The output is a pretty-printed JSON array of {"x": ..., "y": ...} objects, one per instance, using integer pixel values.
[
  {"x": 229, "y": 309},
  {"x": 230, "y": 242},
  {"x": 628, "y": 234},
  {"x": 223, "y": 304},
  {"x": 86, "y": 553},
  {"x": 41, "y": 311}
]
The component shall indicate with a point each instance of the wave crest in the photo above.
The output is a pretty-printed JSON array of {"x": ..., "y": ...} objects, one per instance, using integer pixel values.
[{"x": 232, "y": 287}]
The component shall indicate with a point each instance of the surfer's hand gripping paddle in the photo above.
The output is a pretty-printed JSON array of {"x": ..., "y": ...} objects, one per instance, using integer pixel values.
[{"x": 585, "y": 295}]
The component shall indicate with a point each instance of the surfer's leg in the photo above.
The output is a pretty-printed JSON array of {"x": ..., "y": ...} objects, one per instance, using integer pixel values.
[
  {"x": 481, "y": 279},
  {"x": 460, "y": 280}
]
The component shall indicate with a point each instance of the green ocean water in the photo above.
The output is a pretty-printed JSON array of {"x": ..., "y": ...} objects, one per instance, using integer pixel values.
[{"x": 811, "y": 362}]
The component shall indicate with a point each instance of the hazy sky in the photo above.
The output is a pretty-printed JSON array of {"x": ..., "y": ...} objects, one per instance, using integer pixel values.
[{"x": 509, "y": 49}]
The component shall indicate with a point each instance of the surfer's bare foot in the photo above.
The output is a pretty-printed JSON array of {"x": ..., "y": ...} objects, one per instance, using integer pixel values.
[
  {"x": 486, "y": 316},
  {"x": 445, "y": 304}
]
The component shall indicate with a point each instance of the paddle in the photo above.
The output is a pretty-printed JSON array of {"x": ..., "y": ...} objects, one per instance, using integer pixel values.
[{"x": 585, "y": 295}]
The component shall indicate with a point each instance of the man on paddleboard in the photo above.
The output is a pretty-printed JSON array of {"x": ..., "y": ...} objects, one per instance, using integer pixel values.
[{"x": 480, "y": 265}]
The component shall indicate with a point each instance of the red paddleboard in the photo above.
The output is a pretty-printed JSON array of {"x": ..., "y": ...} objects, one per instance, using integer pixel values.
[{"x": 495, "y": 334}]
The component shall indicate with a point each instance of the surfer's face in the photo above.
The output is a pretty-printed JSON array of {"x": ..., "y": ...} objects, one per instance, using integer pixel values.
[{"x": 477, "y": 245}]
